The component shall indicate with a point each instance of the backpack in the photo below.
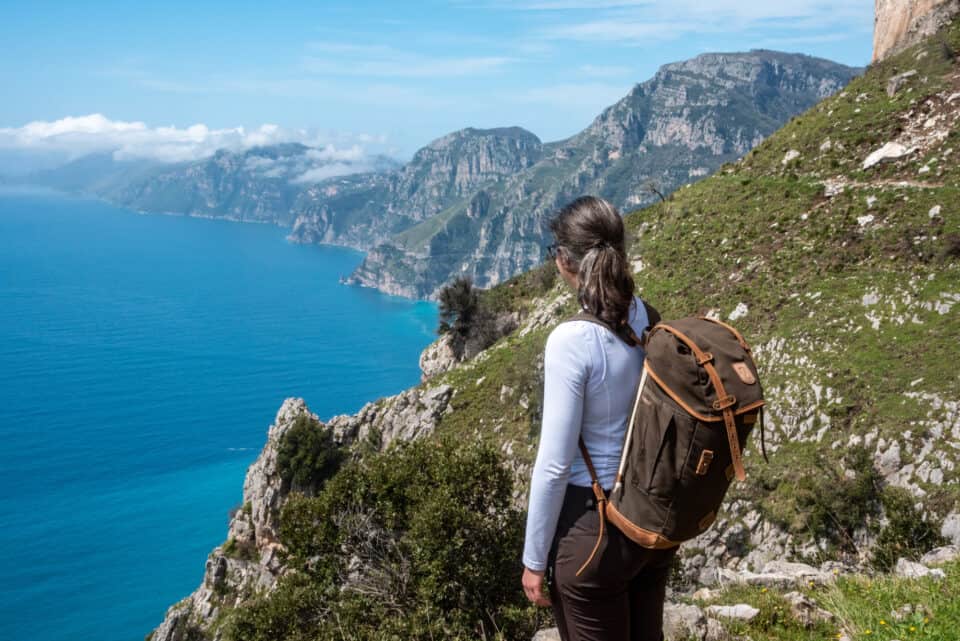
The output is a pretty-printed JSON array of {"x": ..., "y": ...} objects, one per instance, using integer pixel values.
[{"x": 698, "y": 399}]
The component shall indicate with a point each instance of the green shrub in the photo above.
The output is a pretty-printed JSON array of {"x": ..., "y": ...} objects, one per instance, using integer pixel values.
[
  {"x": 420, "y": 542},
  {"x": 815, "y": 496},
  {"x": 906, "y": 533},
  {"x": 307, "y": 455}
]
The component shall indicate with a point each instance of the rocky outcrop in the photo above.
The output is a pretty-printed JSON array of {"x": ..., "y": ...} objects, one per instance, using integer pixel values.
[
  {"x": 407, "y": 416},
  {"x": 250, "y": 561},
  {"x": 899, "y": 24},
  {"x": 450, "y": 350},
  {"x": 363, "y": 212}
]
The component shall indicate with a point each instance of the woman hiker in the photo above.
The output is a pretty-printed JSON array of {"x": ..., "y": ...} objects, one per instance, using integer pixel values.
[{"x": 590, "y": 379}]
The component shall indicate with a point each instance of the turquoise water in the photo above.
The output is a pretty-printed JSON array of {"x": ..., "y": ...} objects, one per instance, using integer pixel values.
[{"x": 142, "y": 359}]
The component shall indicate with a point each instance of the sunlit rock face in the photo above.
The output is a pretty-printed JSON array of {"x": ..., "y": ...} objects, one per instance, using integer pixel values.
[{"x": 901, "y": 23}]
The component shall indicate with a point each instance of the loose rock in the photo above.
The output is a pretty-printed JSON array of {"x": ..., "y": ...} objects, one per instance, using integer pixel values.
[
  {"x": 806, "y": 610},
  {"x": 890, "y": 151},
  {"x": 740, "y": 611},
  {"x": 912, "y": 570},
  {"x": 793, "y": 154},
  {"x": 941, "y": 555},
  {"x": 898, "y": 81}
]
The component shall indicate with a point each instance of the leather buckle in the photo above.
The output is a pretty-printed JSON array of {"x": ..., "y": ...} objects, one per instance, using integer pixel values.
[
  {"x": 723, "y": 403},
  {"x": 707, "y": 357}
]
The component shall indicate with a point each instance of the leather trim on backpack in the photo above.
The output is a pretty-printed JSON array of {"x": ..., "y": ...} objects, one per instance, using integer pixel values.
[
  {"x": 689, "y": 410},
  {"x": 640, "y": 536}
]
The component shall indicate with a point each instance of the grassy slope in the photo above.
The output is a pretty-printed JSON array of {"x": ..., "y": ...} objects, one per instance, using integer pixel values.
[
  {"x": 863, "y": 609},
  {"x": 763, "y": 233}
]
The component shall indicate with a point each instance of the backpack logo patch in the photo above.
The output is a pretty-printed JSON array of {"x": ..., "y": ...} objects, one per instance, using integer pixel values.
[{"x": 744, "y": 373}]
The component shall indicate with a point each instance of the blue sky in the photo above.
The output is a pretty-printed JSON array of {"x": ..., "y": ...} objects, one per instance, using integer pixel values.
[{"x": 369, "y": 76}]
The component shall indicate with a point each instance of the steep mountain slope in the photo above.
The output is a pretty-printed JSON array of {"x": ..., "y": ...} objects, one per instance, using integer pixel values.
[
  {"x": 844, "y": 273},
  {"x": 444, "y": 172},
  {"x": 260, "y": 184},
  {"x": 682, "y": 124}
]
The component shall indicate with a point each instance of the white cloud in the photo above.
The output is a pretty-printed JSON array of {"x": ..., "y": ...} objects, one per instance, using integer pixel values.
[
  {"x": 328, "y": 171},
  {"x": 75, "y": 136}
]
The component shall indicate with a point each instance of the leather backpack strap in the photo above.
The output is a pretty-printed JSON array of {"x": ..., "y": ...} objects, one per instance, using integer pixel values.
[
  {"x": 724, "y": 402},
  {"x": 601, "y": 502}
]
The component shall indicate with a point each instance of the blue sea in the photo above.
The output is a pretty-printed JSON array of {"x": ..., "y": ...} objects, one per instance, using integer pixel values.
[{"x": 142, "y": 359}]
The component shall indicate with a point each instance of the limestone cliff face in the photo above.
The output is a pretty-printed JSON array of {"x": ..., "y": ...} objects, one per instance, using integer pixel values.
[
  {"x": 362, "y": 212},
  {"x": 899, "y": 24},
  {"x": 250, "y": 561}
]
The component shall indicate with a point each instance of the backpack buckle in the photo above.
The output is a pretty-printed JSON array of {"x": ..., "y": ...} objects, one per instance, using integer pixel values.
[
  {"x": 724, "y": 402},
  {"x": 707, "y": 357}
]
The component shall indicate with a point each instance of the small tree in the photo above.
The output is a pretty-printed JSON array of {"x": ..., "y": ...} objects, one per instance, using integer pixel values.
[{"x": 459, "y": 302}]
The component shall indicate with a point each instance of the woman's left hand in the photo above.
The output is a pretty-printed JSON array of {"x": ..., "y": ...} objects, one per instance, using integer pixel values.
[{"x": 533, "y": 587}]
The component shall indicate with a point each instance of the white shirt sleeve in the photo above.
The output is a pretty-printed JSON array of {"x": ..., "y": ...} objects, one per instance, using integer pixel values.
[{"x": 566, "y": 368}]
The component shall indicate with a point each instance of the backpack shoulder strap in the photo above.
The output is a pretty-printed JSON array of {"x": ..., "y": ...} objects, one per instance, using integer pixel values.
[
  {"x": 627, "y": 334},
  {"x": 601, "y": 497}
]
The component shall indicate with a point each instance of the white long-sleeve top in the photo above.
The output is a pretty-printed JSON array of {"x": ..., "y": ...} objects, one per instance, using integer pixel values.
[{"x": 590, "y": 384}]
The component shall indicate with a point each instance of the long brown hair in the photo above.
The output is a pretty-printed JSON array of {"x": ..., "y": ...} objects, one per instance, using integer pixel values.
[{"x": 590, "y": 235}]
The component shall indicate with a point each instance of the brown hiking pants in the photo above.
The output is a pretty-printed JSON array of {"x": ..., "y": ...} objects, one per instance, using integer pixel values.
[{"x": 619, "y": 596}]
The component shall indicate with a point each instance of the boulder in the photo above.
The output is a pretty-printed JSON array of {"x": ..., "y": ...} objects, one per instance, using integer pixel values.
[
  {"x": 682, "y": 621},
  {"x": 890, "y": 151},
  {"x": 950, "y": 529},
  {"x": 740, "y": 611},
  {"x": 941, "y": 555},
  {"x": 791, "y": 155},
  {"x": 913, "y": 570},
  {"x": 547, "y": 634},
  {"x": 898, "y": 81}
]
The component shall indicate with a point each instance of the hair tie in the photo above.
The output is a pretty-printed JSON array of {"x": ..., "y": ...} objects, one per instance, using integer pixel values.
[{"x": 601, "y": 245}]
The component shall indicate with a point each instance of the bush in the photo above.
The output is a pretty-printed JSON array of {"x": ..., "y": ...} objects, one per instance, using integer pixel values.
[
  {"x": 819, "y": 499},
  {"x": 420, "y": 542},
  {"x": 906, "y": 534},
  {"x": 307, "y": 455}
]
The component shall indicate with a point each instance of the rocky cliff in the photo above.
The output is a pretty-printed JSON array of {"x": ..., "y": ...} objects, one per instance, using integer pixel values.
[
  {"x": 899, "y": 24},
  {"x": 441, "y": 174},
  {"x": 675, "y": 128}
]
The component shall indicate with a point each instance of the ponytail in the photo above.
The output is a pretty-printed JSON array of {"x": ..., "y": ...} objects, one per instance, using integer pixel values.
[{"x": 590, "y": 233}]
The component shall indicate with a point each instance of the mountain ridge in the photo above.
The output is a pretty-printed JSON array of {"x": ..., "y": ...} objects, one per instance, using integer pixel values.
[
  {"x": 677, "y": 126},
  {"x": 474, "y": 201}
]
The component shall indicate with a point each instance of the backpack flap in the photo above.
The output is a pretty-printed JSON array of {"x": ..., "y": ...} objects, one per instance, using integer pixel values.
[{"x": 706, "y": 367}]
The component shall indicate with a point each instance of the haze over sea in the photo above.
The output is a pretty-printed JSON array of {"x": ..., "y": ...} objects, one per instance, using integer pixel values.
[{"x": 142, "y": 359}]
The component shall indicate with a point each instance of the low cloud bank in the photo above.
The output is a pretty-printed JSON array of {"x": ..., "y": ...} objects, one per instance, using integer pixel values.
[{"x": 76, "y": 136}]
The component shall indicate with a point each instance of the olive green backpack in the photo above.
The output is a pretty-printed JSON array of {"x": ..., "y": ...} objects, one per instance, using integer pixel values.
[{"x": 698, "y": 399}]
